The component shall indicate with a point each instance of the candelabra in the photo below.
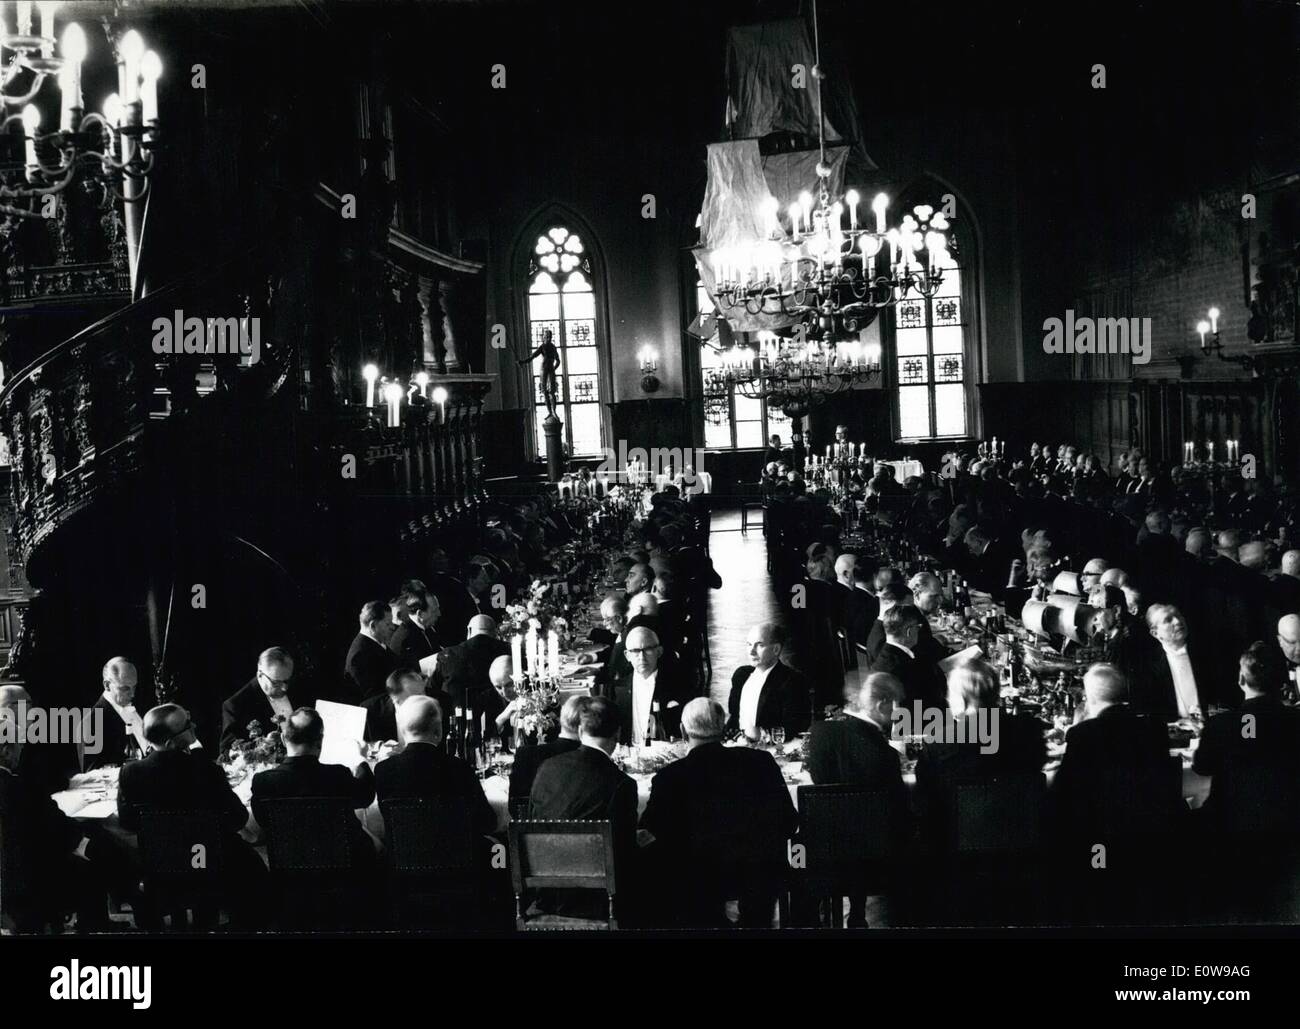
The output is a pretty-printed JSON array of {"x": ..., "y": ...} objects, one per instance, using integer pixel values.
[
  {"x": 111, "y": 152},
  {"x": 794, "y": 377}
]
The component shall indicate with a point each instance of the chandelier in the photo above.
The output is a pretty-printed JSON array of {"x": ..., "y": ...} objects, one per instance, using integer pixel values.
[
  {"x": 111, "y": 152},
  {"x": 794, "y": 376}
]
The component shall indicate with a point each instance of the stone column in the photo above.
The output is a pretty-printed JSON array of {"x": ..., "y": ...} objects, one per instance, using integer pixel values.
[{"x": 552, "y": 429}]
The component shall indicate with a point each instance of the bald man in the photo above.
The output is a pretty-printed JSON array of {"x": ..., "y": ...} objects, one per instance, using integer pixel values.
[
  {"x": 267, "y": 699},
  {"x": 1288, "y": 639},
  {"x": 767, "y": 694},
  {"x": 117, "y": 717},
  {"x": 369, "y": 661},
  {"x": 650, "y": 695},
  {"x": 1291, "y": 564},
  {"x": 528, "y": 759},
  {"x": 1091, "y": 574},
  {"x": 424, "y": 770},
  {"x": 462, "y": 670}
]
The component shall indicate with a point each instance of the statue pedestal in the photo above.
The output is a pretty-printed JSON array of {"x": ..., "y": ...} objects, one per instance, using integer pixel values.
[{"x": 551, "y": 429}]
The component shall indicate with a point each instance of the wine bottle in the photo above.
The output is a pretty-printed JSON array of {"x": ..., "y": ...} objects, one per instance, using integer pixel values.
[
  {"x": 457, "y": 734},
  {"x": 650, "y": 724}
]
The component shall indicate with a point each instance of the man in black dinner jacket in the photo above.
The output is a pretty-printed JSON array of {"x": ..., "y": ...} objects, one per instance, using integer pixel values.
[
  {"x": 416, "y": 637},
  {"x": 369, "y": 660},
  {"x": 117, "y": 709},
  {"x": 175, "y": 777},
  {"x": 381, "y": 712},
  {"x": 528, "y": 759},
  {"x": 719, "y": 818},
  {"x": 268, "y": 698},
  {"x": 767, "y": 693},
  {"x": 462, "y": 670},
  {"x": 423, "y": 769},
  {"x": 900, "y": 658},
  {"x": 650, "y": 691},
  {"x": 301, "y": 774},
  {"x": 585, "y": 784}
]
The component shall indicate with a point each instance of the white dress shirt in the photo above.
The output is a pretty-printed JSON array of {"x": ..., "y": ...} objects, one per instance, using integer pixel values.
[
  {"x": 131, "y": 719},
  {"x": 643, "y": 695},
  {"x": 749, "y": 694},
  {"x": 1180, "y": 668}
]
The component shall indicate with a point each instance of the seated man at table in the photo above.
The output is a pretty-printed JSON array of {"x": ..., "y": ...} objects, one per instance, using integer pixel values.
[
  {"x": 529, "y": 758},
  {"x": 855, "y": 749},
  {"x": 462, "y": 670},
  {"x": 266, "y": 699},
  {"x": 585, "y": 784},
  {"x": 416, "y": 638},
  {"x": 118, "y": 716},
  {"x": 650, "y": 695},
  {"x": 1178, "y": 669},
  {"x": 991, "y": 742},
  {"x": 369, "y": 660},
  {"x": 1116, "y": 785},
  {"x": 51, "y": 764},
  {"x": 52, "y": 865},
  {"x": 718, "y": 820},
  {"x": 301, "y": 774},
  {"x": 381, "y": 712},
  {"x": 424, "y": 769},
  {"x": 901, "y": 658},
  {"x": 175, "y": 777},
  {"x": 767, "y": 693}
]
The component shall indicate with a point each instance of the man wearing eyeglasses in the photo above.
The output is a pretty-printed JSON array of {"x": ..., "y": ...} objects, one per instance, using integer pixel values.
[
  {"x": 650, "y": 696},
  {"x": 267, "y": 699}
]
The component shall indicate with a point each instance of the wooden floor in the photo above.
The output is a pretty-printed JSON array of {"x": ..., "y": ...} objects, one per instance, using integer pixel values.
[{"x": 747, "y": 596}]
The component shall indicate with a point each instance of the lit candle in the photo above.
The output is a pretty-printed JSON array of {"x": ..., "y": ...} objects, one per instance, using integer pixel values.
[
  {"x": 151, "y": 72},
  {"x": 795, "y": 212},
  {"x": 440, "y": 398},
  {"x": 1209, "y": 450},
  {"x": 31, "y": 122},
  {"x": 879, "y": 205},
  {"x": 393, "y": 394},
  {"x": 516, "y": 656},
  {"x": 532, "y": 651},
  {"x": 47, "y": 27},
  {"x": 370, "y": 373},
  {"x": 1202, "y": 328},
  {"x": 553, "y": 645},
  {"x": 852, "y": 198},
  {"x": 1214, "y": 319},
  {"x": 24, "y": 17},
  {"x": 132, "y": 50},
  {"x": 74, "y": 52},
  {"x": 828, "y": 453}
]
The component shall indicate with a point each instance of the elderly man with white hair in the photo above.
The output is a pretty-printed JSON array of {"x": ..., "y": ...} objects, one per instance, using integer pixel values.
[
  {"x": 1179, "y": 672},
  {"x": 719, "y": 819},
  {"x": 116, "y": 717}
]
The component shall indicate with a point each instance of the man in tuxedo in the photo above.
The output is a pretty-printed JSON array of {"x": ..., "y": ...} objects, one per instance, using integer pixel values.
[
  {"x": 381, "y": 712},
  {"x": 268, "y": 698},
  {"x": 1288, "y": 641},
  {"x": 369, "y": 660},
  {"x": 1114, "y": 769},
  {"x": 301, "y": 774},
  {"x": 857, "y": 608},
  {"x": 52, "y": 865},
  {"x": 115, "y": 712},
  {"x": 424, "y": 769},
  {"x": 649, "y": 697},
  {"x": 416, "y": 637},
  {"x": 767, "y": 693},
  {"x": 49, "y": 764},
  {"x": 529, "y": 759},
  {"x": 1253, "y": 754},
  {"x": 919, "y": 675},
  {"x": 462, "y": 670},
  {"x": 639, "y": 580},
  {"x": 672, "y": 616},
  {"x": 718, "y": 820},
  {"x": 585, "y": 784},
  {"x": 174, "y": 776},
  {"x": 1178, "y": 670},
  {"x": 890, "y": 595}
]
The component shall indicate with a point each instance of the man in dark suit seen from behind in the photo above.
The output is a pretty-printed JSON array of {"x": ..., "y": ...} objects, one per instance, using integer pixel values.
[
  {"x": 528, "y": 759},
  {"x": 177, "y": 777},
  {"x": 767, "y": 693},
  {"x": 268, "y": 698},
  {"x": 919, "y": 674},
  {"x": 718, "y": 820},
  {"x": 301, "y": 774},
  {"x": 369, "y": 660},
  {"x": 381, "y": 712},
  {"x": 586, "y": 785},
  {"x": 462, "y": 671}
]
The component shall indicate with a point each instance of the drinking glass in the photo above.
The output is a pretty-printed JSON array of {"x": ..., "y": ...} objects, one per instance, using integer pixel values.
[{"x": 778, "y": 737}]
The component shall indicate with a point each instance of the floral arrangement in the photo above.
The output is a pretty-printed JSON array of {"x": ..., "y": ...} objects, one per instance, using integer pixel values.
[
  {"x": 542, "y": 609},
  {"x": 537, "y": 712},
  {"x": 261, "y": 748}
]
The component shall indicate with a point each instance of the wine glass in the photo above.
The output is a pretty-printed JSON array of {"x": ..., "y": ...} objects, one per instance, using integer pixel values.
[
  {"x": 494, "y": 756},
  {"x": 778, "y": 738}
]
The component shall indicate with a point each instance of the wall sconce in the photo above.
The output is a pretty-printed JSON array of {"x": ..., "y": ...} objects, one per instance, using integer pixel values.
[
  {"x": 1213, "y": 346},
  {"x": 648, "y": 358}
]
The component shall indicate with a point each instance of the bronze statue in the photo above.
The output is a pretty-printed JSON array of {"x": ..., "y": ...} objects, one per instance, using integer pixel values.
[{"x": 550, "y": 355}]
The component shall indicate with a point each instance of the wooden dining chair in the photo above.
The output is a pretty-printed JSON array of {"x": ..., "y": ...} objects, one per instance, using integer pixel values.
[{"x": 562, "y": 855}]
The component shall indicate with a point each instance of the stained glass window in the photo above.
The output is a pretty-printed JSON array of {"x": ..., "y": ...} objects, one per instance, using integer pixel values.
[
  {"x": 930, "y": 357},
  {"x": 562, "y": 302}
]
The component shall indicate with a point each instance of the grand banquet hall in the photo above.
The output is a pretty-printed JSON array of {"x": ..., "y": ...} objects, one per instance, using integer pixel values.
[{"x": 499, "y": 467}]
